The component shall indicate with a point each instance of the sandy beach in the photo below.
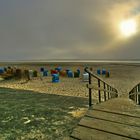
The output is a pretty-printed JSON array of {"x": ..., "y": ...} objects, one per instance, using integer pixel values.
[{"x": 123, "y": 77}]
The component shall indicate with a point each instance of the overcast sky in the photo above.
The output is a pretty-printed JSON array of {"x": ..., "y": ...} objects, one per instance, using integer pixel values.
[{"x": 67, "y": 29}]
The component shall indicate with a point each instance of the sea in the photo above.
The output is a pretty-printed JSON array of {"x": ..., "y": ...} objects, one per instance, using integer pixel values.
[{"x": 73, "y": 61}]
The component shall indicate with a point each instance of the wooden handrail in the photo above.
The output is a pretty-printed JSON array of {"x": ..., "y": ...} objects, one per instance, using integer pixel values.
[
  {"x": 95, "y": 76},
  {"x": 134, "y": 87},
  {"x": 108, "y": 90},
  {"x": 134, "y": 94},
  {"x": 97, "y": 88}
]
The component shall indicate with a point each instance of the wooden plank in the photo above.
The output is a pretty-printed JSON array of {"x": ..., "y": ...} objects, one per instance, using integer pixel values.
[
  {"x": 135, "y": 96},
  {"x": 95, "y": 76},
  {"x": 100, "y": 89},
  {"x": 111, "y": 127},
  {"x": 138, "y": 93},
  {"x": 108, "y": 92},
  {"x": 83, "y": 133},
  {"x": 119, "y": 118},
  {"x": 99, "y": 92},
  {"x": 116, "y": 112},
  {"x": 138, "y": 100},
  {"x": 105, "y": 92},
  {"x": 90, "y": 92}
]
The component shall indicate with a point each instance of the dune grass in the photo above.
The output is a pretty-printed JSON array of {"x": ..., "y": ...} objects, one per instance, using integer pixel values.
[{"x": 27, "y": 115}]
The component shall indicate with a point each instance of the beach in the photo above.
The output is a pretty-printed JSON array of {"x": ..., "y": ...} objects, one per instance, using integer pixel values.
[
  {"x": 123, "y": 77},
  {"x": 46, "y": 110}
]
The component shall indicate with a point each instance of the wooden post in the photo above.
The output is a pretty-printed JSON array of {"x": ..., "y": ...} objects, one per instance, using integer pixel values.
[
  {"x": 99, "y": 92},
  {"x": 138, "y": 94},
  {"x": 104, "y": 92},
  {"x": 130, "y": 96},
  {"x": 116, "y": 93},
  {"x": 138, "y": 99},
  {"x": 133, "y": 96},
  {"x": 90, "y": 91},
  {"x": 108, "y": 91},
  {"x": 135, "y": 90},
  {"x": 138, "y": 87}
]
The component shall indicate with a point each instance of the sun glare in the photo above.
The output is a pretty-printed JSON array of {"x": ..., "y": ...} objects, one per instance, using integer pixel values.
[{"x": 128, "y": 27}]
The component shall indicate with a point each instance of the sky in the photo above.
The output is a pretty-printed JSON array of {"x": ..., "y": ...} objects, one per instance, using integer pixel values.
[{"x": 67, "y": 29}]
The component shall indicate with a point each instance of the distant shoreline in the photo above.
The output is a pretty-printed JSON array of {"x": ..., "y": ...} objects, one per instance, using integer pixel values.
[{"x": 72, "y": 62}]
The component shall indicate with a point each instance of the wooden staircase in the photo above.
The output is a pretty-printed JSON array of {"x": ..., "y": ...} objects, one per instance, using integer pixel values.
[{"x": 115, "y": 119}]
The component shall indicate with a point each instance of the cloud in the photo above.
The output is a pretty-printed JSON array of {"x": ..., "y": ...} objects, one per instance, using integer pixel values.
[{"x": 65, "y": 29}]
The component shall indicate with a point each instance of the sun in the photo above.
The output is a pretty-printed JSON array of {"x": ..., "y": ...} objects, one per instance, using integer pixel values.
[{"x": 128, "y": 27}]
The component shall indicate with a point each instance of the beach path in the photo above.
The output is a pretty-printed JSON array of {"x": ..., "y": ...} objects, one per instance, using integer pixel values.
[{"x": 115, "y": 119}]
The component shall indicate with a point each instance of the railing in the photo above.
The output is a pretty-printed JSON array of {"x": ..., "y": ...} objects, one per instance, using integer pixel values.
[
  {"x": 134, "y": 94},
  {"x": 102, "y": 86}
]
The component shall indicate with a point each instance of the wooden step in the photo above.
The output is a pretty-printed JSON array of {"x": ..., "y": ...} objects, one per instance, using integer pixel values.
[
  {"x": 117, "y": 119},
  {"x": 111, "y": 127},
  {"x": 84, "y": 133},
  {"x": 114, "y": 117}
]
